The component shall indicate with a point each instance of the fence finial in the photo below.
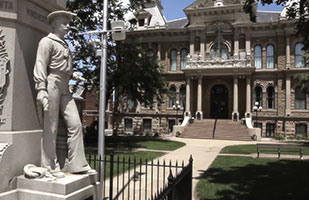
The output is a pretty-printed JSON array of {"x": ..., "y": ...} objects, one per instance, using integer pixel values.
[{"x": 191, "y": 159}]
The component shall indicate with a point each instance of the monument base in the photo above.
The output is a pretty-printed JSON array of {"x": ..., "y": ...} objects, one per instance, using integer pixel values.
[
  {"x": 17, "y": 148},
  {"x": 71, "y": 187}
]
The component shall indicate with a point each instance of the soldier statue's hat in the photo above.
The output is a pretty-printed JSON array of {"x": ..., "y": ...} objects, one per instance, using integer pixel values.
[{"x": 59, "y": 13}]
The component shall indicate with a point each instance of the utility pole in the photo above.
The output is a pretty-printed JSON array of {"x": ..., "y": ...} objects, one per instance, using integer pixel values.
[{"x": 101, "y": 142}]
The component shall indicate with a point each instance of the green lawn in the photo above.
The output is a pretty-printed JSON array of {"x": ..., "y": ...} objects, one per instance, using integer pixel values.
[
  {"x": 140, "y": 156},
  {"x": 249, "y": 149},
  {"x": 123, "y": 146},
  {"x": 245, "y": 178},
  {"x": 131, "y": 142},
  {"x": 160, "y": 144}
]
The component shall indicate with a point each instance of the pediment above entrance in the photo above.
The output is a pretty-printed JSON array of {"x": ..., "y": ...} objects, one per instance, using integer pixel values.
[{"x": 212, "y": 3}]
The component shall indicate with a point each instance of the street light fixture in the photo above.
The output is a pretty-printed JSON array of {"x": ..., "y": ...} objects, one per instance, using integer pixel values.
[
  {"x": 177, "y": 107},
  {"x": 257, "y": 109}
]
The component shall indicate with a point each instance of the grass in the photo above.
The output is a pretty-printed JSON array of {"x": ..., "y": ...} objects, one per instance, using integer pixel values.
[
  {"x": 245, "y": 178},
  {"x": 130, "y": 142},
  {"x": 167, "y": 145},
  {"x": 251, "y": 149},
  {"x": 117, "y": 144},
  {"x": 140, "y": 156}
]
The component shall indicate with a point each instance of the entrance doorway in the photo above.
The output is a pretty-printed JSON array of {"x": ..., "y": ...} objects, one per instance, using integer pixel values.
[{"x": 219, "y": 96}]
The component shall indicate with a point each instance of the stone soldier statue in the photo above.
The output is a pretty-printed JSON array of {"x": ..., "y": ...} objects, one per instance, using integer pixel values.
[{"x": 52, "y": 72}]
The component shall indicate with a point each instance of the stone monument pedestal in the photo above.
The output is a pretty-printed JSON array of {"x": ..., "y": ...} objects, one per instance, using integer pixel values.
[{"x": 71, "y": 187}]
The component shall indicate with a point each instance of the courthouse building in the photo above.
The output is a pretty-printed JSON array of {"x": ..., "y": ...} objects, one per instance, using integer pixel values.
[{"x": 218, "y": 64}]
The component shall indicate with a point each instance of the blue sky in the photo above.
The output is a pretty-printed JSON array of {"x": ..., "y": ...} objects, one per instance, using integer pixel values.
[{"x": 173, "y": 9}]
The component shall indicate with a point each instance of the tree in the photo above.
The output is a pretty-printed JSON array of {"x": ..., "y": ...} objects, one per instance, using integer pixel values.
[
  {"x": 297, "y": 10},
  {"x": 130, "y": 71}
]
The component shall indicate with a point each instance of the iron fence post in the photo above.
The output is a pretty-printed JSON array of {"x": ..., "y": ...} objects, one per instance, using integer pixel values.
[
  {"x": 111, "y": 175},
  {"x": 171, "y": 185}
]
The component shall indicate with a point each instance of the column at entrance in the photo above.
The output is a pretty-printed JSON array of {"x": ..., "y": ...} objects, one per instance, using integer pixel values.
[
  {"x": 199, "y": 112},
  {"x": 248, "y": 98},
  {"x": 235, "y": 114},
  {"x": 288, "y": 95},
  {"x": 188, "y": 112}
]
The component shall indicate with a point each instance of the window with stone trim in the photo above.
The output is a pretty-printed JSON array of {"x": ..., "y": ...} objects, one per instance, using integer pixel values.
[
  {"x": 270, "y": 130},
  {"x": 219, "y": 50},
  {"x": 173, "y": 60},
  {"x": 301, "y": 130},
  {"x": 258, "y": 56},
  {"x": 299, "y": 58},
  {"x": 258, "y": 95},
  {"x": 172, "y": 96},
  {"x": 183, "y": 58},
  {"x": 270, "y": 56},
  {"x": 147, "y": 125},
  {"x": 128, "y": 125},
  {"x": 182, "y": 96},
  {"x": 300, "y": 99},
  {"x": 271, "y": 97}
]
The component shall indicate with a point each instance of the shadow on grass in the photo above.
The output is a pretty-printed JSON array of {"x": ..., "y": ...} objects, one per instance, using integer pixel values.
[
  {"x": 255, "y": 179},
  {"x": 133, "y": 142}
]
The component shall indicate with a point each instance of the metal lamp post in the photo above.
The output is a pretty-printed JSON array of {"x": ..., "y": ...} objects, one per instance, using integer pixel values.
[
  {"x": 257, "y": 109},
  {"x": 177, "y": 107}
]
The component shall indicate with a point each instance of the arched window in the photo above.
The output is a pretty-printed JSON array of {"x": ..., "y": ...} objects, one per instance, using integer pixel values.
[
  {"x": 300, "y": 98},
  {"x": 258, "y": 57},
  {"x": 219, "y": 50},
  {"x": 299, "y": 58},
  {"x": 182, "y": 96},
  {"x": 270, "y": 56},
  {"x": 270, "y": 97},
  {"x": 183, "y": 58},
  {"x": 197, "y": 44},
  {"x": 258, "y": 95},
  {"x": 172, "y": 96},
  {"x": 173, "y": 60}
]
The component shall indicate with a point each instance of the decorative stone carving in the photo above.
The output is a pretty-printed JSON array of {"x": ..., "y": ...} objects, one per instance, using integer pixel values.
[{"x": 4, "y": 61}]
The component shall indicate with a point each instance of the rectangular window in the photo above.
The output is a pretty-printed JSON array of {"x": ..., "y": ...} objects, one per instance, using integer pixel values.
[
  {"x": 128, "y": 125},
  {"x": 270, "y": 130},
  {"x": 301, "y": 130},
  {"x": 147, "y": 125}
]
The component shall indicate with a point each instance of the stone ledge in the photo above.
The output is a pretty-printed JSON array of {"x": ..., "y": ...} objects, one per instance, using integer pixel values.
[{"x": 61, "y": 186}]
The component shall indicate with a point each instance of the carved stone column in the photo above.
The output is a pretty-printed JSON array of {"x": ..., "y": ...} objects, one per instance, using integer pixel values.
[
  {"x": 199, "y": 112},
  {"x": 235, "y": 115},
  {"x": 236, "y": 45},
  {"x": 191, "y": 45},
  {"x": 248, "y": 98},
  {"x": 288, "y": 95},
  {"x": 188, "y": 111},
  {"x": 248, "y": 45},
  {"x": 202, "y": 47},
  {"x": 288, "y": 54},
  {"x": 159, "y": 52}
]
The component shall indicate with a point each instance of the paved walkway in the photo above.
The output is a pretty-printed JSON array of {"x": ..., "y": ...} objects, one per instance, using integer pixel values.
[{"x": 203, "y": 152}]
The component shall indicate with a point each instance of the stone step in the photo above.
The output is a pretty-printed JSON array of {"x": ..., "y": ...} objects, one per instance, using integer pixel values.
[{"x": 225, "y": 130}]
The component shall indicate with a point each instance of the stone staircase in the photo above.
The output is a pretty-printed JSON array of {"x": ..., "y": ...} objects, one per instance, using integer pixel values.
[{"x": 224, "y": 130}]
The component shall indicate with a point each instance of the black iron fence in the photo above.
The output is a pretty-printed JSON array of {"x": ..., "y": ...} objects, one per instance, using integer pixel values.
[
  {"x": 137, "y": 179},
  {"x": 179, "y": 187}
]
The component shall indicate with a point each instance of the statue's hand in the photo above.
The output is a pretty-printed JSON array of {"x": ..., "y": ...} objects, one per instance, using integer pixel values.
[
  {"x": 76, "y": 76},
  {"x": 42, "y": 97}
]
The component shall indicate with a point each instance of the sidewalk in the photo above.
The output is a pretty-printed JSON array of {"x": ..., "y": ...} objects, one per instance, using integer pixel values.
[{"x": 203, "y": 152}]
